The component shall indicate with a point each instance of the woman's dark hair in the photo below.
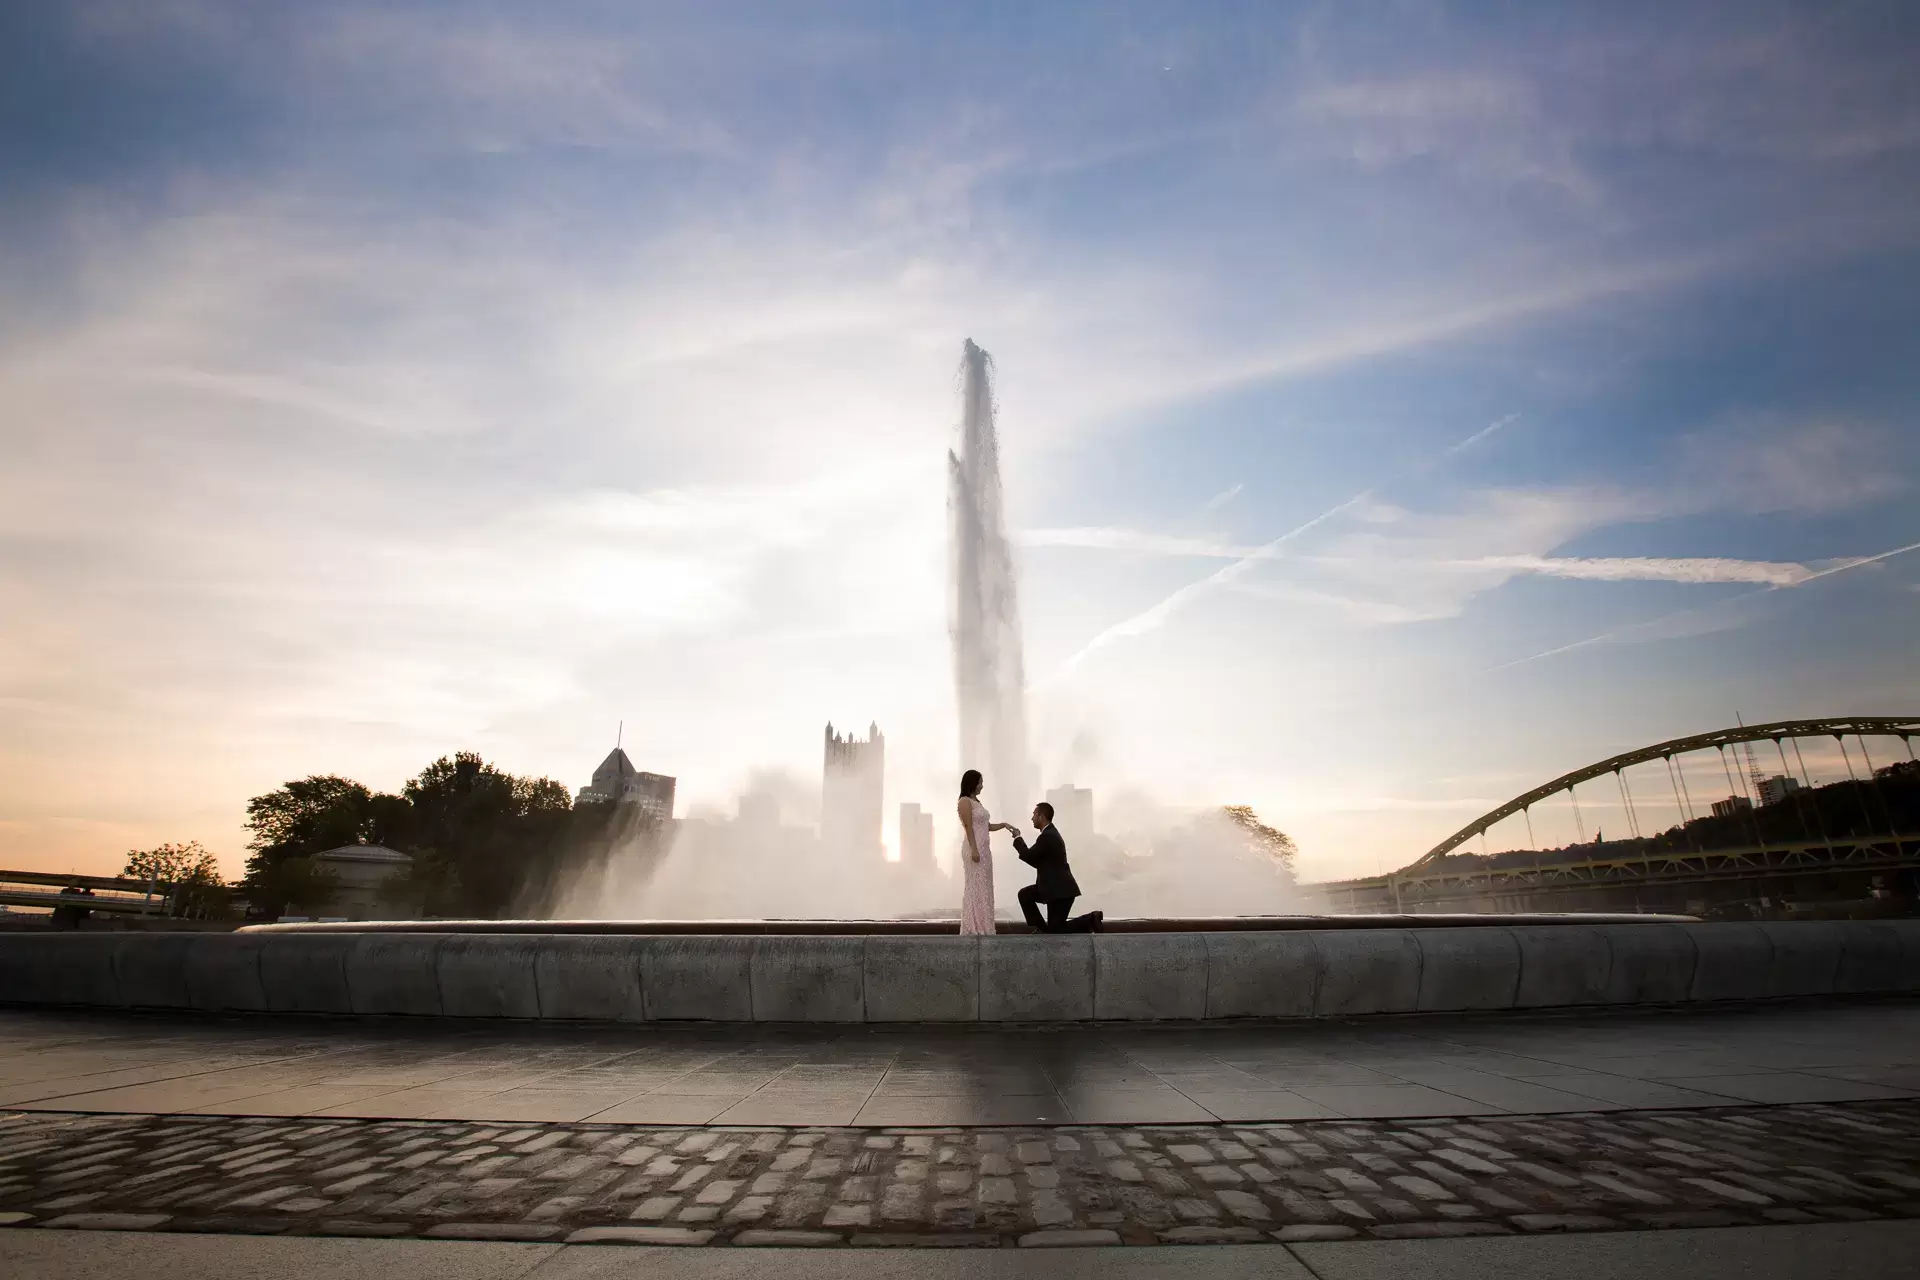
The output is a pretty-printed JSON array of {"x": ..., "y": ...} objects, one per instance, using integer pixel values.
[{"x": 970, "y": 783}]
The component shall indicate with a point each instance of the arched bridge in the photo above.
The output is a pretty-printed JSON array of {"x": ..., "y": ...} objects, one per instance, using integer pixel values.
[{"x": 1777, "y": 832}]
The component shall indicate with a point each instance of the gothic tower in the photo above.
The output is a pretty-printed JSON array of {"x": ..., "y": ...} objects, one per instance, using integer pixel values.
[{"x": 850, "y": 793}]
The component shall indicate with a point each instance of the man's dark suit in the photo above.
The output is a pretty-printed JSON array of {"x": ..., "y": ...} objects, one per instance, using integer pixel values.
[{"x": 1053, "y": 884}]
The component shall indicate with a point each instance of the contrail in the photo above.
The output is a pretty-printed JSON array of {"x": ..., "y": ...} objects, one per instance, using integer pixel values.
[
  {"x": 1481, "y": 434},
  {"x": 1156, "y": 616},
  {"x": 1681, "y": 613}
]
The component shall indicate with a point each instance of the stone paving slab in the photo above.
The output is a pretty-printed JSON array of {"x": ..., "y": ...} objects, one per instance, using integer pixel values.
[
  {"x": 1020, "y": 1186},
  {"x": 1829, "y": 1251},
  {"x": 1237, "y": 1072}
]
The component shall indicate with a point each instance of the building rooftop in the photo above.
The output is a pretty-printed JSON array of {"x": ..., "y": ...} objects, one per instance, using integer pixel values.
[{"x": 365, "y": 853}]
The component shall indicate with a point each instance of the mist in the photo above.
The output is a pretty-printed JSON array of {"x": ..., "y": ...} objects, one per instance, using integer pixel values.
[
  {"x": 769, "y": 858},
  {"x": 765, "y": 860}
]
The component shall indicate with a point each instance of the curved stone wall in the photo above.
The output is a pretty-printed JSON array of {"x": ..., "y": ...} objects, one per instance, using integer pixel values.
[{"x": 1015, "y": 978}]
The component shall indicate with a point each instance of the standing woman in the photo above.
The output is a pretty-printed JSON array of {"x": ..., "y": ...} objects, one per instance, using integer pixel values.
[{"x": 976, "y": 894}]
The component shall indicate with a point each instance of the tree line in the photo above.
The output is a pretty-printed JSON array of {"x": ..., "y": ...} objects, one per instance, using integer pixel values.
[{"x": 484, "y": 842}]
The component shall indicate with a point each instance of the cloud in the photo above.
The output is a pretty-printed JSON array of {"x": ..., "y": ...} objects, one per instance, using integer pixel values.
[
  {"x": 1100, "y": 538},
  {"x": 1156, "y": 616},
  {"x": 498, "y": 374},
  {"x": 1221, "y": 499},
  {"x": 1694, "y": 569},
  {"x": 1387, "y": 565},
  {"x": 1696, "y": 621},
  {"x": 1153, "y": 618},
  {"x": 1649, "y": 569},
  {"x": 1772, "y": 464}
]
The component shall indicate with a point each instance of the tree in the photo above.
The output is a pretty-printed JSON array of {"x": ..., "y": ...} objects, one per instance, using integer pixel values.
[
  {"x": 310, "y": 816},
  {"x": 171, "y": 863},
  {"x": 197, "y": 888},
  {"x": 1268, "y": 842},
  {"x": 302, "y": 885},
  {"x": 482, "y": 838},
  {"x": 483, "y": 841}
]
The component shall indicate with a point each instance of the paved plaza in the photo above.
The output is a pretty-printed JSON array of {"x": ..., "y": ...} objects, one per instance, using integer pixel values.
[
  {"x": 900, "y": 1076},
  {"x": 1290, "y": 1134},
  {"x": 1142, "y": 1185}
]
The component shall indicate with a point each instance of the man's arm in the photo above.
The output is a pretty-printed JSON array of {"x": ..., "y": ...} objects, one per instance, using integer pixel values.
[{"x": 1029, "y": 856}]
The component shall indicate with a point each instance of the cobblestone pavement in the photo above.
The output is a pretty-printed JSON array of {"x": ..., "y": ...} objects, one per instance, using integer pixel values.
[{"x": 987, "y": 1187}]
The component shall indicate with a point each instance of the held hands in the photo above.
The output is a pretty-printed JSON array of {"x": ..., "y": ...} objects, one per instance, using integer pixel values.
[{"x": 1000, "y": 826}]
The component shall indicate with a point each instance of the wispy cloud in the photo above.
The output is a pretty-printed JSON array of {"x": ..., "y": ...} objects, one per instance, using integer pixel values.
[
  {"x": 1153, "y": 618},
  {"x": 1662, "y": 627},
  {"x": 1695, "y": 569},
  {"x": 1101, "y": 538},
  {"x": 1221, "y": 499},
  {"x": 379, "y": 379}
]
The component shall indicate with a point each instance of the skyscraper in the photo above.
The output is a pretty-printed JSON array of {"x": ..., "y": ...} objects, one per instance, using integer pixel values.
[
  {"x": 850, "y": 792},
  {"x": 1072, "y": 811},
  {"x": 616, "y": 781},
  {"x": 916, "y": 837}
]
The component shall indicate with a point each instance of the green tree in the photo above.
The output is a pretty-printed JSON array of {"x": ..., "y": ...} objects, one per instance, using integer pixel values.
[
  {"x": 481, "y": 837},
  {"x": 171, "y": 863},
  {"x": 193, "y": 874}
]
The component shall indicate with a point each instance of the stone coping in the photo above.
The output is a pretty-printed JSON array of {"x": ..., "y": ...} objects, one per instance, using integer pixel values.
[
  {"x": 1017, "y": 978},
  {"x": 951, "y": 928}
]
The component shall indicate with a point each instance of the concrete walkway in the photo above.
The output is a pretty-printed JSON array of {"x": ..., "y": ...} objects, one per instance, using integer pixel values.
[
  {"x": 1861, "y": 1251},
  {"x": 1451, "y": 1065}
]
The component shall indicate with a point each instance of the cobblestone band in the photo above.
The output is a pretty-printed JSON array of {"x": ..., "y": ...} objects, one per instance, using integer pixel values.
[{"x": 1065, "y": 1185}]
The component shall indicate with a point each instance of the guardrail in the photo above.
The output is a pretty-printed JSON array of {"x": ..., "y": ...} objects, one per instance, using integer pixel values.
[
  {"x": 139, "y": 897},
  {"x": 1036, "y": 978}
]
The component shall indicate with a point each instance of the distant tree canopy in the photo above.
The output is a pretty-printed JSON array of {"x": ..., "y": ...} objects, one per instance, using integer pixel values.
[
  {"x": 1261, "y": 839},
  {"x": 306, "y": 817},
  {"x": 192, "y": 871},
  {"x": 484, "y": 842},
  {"x": 480, "y": 836}
]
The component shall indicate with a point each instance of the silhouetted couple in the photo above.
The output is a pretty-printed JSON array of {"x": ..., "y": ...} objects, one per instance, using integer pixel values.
[{"x": 1053, "y": 888}]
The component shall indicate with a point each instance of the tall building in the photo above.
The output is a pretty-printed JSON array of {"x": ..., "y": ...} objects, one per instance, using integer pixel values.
[
  {"x": 1072, "y": 811},
  {"x": 916, "y": 837},
  {"x": 758, "y": 812},
  {"x": 850, "y": 792},
  {"x": 1730, "y": 806},
  {"x": 616, "y": 781},
  {"x": 1777, "y": 788}
]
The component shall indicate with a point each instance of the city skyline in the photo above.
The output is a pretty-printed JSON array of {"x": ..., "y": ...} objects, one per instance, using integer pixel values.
[{"x": 1394, "y": 415}]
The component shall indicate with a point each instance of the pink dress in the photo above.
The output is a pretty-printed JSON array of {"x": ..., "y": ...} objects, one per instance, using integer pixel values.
[{"x": 976, "y": 895}]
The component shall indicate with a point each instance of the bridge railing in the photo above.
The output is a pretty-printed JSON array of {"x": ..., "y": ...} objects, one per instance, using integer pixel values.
[{"x": 53, "y": 889}]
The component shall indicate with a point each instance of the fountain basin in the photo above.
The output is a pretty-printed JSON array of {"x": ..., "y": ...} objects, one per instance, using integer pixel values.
[
  {"x": 950, "y": 928},
  {"x": 508, "y": 970}
]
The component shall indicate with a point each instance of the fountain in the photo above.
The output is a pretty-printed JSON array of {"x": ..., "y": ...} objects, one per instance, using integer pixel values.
[
  {"x": 988, "y": 664},
  {"x": 917, "y": 970}
]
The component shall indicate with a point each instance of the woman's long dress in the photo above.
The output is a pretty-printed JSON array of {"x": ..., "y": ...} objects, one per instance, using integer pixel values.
[{"x": 976, "y": 894}]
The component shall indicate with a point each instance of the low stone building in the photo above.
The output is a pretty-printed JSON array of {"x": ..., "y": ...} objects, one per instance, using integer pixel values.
[{"x": 362, "y": 871}]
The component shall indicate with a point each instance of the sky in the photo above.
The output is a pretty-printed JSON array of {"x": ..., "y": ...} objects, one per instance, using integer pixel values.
[{"x": 1400, "y": 404}]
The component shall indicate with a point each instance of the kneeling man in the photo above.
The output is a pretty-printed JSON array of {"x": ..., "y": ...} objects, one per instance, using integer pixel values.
[{"x": 1053, "y": 882}]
